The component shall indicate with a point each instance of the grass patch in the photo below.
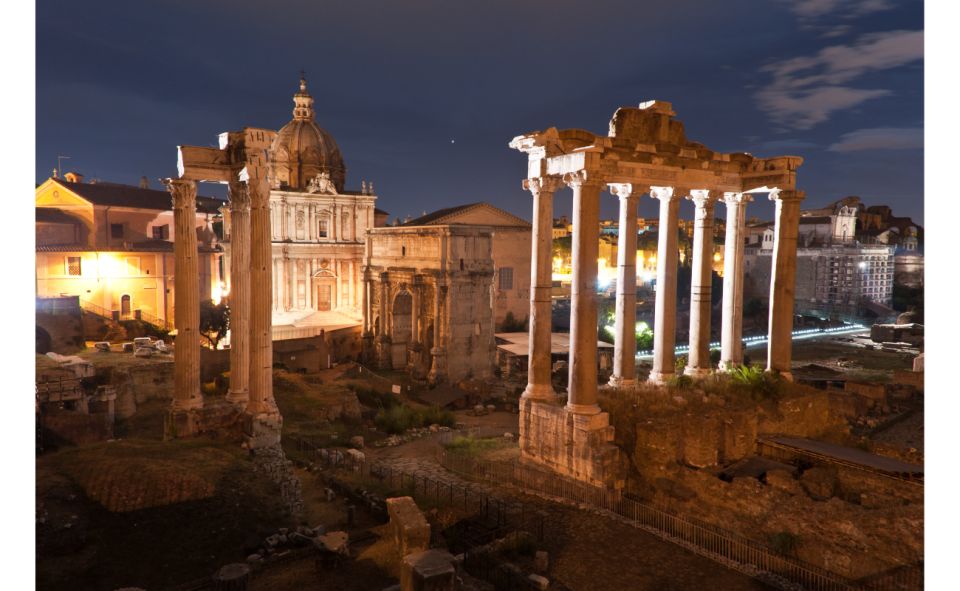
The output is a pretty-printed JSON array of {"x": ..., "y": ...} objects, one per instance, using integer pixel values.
[
  {"x": 398, "y": 419},
  {"x": 472, "y": 446}
]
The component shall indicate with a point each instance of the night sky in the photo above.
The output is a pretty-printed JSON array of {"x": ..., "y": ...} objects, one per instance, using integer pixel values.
[{"x": 423, "y": 96}]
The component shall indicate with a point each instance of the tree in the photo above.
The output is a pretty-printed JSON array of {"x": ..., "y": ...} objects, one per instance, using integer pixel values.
[{"x": 214, "y": 321}]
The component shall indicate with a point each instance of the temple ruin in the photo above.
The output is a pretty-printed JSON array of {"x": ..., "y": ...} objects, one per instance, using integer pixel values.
[{"x": 645, "y": 152}]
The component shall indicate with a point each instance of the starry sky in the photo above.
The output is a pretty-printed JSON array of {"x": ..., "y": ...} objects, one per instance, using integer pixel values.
[{"x": 423, "y": 96}]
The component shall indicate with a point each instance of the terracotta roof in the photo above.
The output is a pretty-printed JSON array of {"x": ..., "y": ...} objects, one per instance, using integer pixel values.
[
  {"x": 116, "y": 195},
  {"x": 143, "y": 246},
  {"x": 437, "y": 217}
]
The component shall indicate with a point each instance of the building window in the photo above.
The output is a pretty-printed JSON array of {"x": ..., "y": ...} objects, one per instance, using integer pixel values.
[
  {"x": 506, "y": 278},
  {"x": 116, "y": 230},
  {"x": 322, "y": 230},
  {"x": 73, "y": 266},
  {"x": 161, "y": 232}
]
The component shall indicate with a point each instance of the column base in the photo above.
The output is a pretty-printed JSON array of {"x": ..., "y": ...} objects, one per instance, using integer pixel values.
[
  {"x": 438, "y": 368},
  {"x": 786, "y": 375},
  {"x": 729, "y": 365},
  {"x": 195, "y": 402},
  {"x": 697, "y": 373},
  {"x": 238, "y": 397},
  {"x": 539, "y": 392},
  {"x": 179, "y": 424},
  {"x": 583, "y": 409},
  {"x": 621, "y": 382},
  {"x": 660, "y": 378}
]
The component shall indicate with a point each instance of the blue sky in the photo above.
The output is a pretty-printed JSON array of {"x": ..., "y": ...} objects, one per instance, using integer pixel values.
[{"x": 423, "y": 96}]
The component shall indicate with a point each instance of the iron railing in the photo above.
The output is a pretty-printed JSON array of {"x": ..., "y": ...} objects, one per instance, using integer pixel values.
[{"x": 726, "y": 547}]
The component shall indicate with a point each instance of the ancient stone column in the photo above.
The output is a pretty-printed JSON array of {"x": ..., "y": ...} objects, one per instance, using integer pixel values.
[
  {"x": 731, "y": 344},
  {"x": 625, "y": 340},
  {"x": 261, "y": 323},
  {"x": 583, "y": 295},
  {"x": 186, "y": 353},
  {"x": 665, "y": 309},
  {"x": 367, "y": 306},
  {"x": 783, "y": 280},
  {"x": 698, "y": 364},
  {"x": 239, "y": 392},
  {"x": 384, "y": 356},
  {"x": 539, "y": 384},
  {"x": 438, "y": 366},
  {"x": 415, "y": 312}
]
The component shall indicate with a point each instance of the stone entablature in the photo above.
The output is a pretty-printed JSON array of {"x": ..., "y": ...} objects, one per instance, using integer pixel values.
[{"x": 427, "y": 301}]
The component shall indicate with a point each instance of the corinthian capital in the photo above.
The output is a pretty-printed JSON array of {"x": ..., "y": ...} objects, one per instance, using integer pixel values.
[
  {"x": 621, "y": 190},
  {"x": 778, "y": 195},
  {"x": 183, "y": 192},
  {"x": 239, "y": 196},
  {"x": 702, "y": 198},
  {"x": 543, "y": 184},
  {"x": 581, "y": 178}
]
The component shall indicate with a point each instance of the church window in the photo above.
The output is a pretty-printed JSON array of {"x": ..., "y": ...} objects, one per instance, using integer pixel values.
[
  {"x": 73, "y": 266},
  {"x": 506, "y": 278},
  {"x": 116, "y": 230},
  {"x": 322, "y": 230}
]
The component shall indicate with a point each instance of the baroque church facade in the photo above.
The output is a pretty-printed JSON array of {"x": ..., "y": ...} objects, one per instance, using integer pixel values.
[{"x": 318, "y": 229}]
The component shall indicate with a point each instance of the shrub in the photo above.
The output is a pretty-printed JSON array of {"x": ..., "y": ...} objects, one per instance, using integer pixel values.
[
  {"x": 374, "y": 399},
  {"x": 680, "y": 381},
  {"x": 470, "y": 445},
  {"x": 754, "y": 380},
  {"x": 437, "y": 416},
  {"x": 398, "y": 418},
  {"x": 680, "y": 363}
]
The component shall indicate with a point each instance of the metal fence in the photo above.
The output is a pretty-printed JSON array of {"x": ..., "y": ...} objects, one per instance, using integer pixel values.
[{"x": 728, "y": 548}]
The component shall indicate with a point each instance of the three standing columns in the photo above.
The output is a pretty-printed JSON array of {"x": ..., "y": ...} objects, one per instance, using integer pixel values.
[
  {"x": 186, "y": 287},
  {"x": 731, "y": 345},
  {"x": 261, "y": 300},
  {"x": 625, "y": 341},
  {"x": 239, "y": 294},
  {"x": 583, "y": 310},
  {"x": 698, "y": 364},
  {"x": 665, "y": 309},
  {"x": 783, "y": 280},
  {"x": 539, "y": 385}
]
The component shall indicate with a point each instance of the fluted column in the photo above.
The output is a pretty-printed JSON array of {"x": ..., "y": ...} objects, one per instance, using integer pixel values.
[
  {"x": 731, "y": 338},
  {"x": 783, "y": 281},
  {"x": 583, "y": 296},
  {"x": 438, "y": 366},
  {"x": 186, "y": 353},
  {"x": 239, "y": 392},
  {"x": 665, "y": 310},
  {"x": 698, "y": 361},
  {"x": 539, "y": 383},
  {"x": 415, "y": 311},
  {"x": 625, "y": 339},
  {"x": 261, "y": 323}
]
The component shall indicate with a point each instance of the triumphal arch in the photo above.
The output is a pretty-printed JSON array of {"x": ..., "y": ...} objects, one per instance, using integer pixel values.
[{"x": 646, "y": 151}]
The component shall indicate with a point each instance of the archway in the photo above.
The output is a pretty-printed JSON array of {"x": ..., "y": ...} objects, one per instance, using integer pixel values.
[
  {"x": 44, "y": 341},
  {"x": 125, "y": 306},
  {"x": 401, "y": 328}
]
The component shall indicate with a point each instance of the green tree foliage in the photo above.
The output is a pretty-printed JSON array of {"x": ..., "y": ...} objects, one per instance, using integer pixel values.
[{"x": 214, "y": 321}]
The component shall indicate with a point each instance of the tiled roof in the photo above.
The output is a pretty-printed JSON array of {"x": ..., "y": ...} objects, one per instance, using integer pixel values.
[
  {"x": 438, "y": 216},
  {"x": 143, "y": 246},
  {"x": 116, "y": 195}
]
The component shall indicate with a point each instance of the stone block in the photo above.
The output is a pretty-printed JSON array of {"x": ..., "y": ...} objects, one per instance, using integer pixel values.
[
  {"x": 541, "y": 561},
  {"x": 356, "y": 456},
  {"x": 783, "y": 480},
  {"x": 538, "y": 582},
  {"x": 820, "y": 483},
  {"x": 430, "y": 570},
  {"x": 411, "y": 532},
  {"x": 356, "y": 442}
]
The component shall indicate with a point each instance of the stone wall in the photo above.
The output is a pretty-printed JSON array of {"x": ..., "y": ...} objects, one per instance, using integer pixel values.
[{"x": 578, "y": 446}]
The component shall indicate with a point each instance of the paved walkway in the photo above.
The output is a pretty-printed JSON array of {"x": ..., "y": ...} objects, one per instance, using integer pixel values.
[{"x": 588, "y": 551}]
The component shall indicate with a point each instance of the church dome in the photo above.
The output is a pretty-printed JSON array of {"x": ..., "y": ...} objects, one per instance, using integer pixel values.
[{"x": 302, "y": 150}]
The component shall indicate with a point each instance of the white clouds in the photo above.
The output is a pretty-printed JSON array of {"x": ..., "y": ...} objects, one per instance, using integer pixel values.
[
  {"x": 811, "y": 9},
  {"x": 805, "y": 91},
  {"x": 880, "y": 138}
]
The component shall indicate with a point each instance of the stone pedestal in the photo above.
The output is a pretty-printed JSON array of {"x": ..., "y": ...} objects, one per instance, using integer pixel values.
[
  {"x": 431, "y": 570},
  {"x": 583, "y": 292},
  {"x": 625, "y": 341},
  {"x": 239, "y": 392},
  {"x": 731, "y": 339},
  {"x": 576, "y": 445},
  {"x": 539, "y": 384},
  {"x": 665, "y": 309},
  {"x": 261, "y": 430},
  {"x": 783, "y": 281},
  {"x": 186, "y": 354},
  {"x": 411, "y": 532},
  {"x": 698, "y": 364}
]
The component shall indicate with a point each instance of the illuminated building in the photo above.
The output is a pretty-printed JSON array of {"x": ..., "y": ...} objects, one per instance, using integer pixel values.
[{"x": 112, "y": 246}]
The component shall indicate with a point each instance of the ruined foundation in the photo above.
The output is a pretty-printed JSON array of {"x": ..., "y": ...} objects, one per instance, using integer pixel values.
[{"x": 576, "y": 445}]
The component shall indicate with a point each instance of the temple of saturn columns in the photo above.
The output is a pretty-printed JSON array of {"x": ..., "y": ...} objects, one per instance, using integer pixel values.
[
  {"x": 241, "y": 163},
  {"x": 645, "y": 152}
]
